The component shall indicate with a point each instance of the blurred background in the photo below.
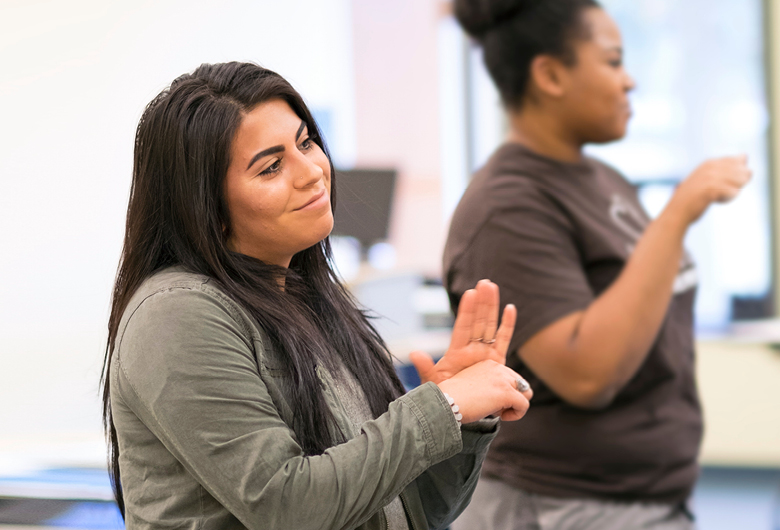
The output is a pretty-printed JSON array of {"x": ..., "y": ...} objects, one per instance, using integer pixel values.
[{"x": 408, "y": 113}]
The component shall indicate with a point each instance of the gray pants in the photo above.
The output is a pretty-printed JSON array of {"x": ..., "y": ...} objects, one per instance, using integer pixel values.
[{"x": 496, "y": 506}]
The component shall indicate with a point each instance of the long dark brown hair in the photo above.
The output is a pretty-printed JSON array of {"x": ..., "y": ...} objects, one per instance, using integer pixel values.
[{"x": 177, "y": 215}]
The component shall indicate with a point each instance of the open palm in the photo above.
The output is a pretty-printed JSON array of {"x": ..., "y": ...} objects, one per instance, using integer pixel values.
[{"x": 476, "y": 335}]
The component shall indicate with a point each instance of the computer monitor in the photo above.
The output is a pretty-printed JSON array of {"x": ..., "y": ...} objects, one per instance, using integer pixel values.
[{"x": 364, "y": 199}]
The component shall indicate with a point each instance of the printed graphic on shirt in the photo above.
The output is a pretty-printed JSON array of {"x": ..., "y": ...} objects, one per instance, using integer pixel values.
[{"x": 630, "y": 220}]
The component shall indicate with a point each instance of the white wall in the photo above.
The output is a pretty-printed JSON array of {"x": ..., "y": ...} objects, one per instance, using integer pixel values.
[{"x": 74, "y": 79}]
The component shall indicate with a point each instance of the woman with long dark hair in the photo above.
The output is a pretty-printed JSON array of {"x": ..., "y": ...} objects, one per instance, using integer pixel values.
[
  {"x": 242, "y": 386},
  {"x": 604, "y": 294}
]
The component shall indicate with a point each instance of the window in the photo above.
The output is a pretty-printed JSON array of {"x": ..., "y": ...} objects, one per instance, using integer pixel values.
[{"x": 700, "y": 72}]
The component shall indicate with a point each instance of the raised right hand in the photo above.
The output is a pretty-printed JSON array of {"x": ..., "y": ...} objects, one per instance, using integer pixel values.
[
  {"x": 715, "y": 180},
  {"x": 487, "y": 388}
]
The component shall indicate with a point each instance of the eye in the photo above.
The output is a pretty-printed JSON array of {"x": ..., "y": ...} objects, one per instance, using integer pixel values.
[
  {"x": 306, "y": 144},
  {"x": 273, "y": 168},
  {"x": 616, "y": 63}
]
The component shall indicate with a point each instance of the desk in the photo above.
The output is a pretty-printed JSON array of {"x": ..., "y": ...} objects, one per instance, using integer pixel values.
[{"x": 739, "y": 383}]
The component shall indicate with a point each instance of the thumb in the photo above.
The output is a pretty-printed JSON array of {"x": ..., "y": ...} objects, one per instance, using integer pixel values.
[{"x": 423, "y": 363}]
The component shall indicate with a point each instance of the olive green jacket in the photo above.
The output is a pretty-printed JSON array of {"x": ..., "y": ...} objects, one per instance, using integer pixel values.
[{"x": 203, "y": 421}]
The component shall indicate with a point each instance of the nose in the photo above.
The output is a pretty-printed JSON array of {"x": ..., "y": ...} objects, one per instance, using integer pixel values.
[
  {"x": 307, "y": 173},
  {"x": 629, "y": 84}
]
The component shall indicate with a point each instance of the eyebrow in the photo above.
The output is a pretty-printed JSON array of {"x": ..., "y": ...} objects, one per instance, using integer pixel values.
[
  {"x": 300, "y": 130},
  {"x": 276, "y": 148}
]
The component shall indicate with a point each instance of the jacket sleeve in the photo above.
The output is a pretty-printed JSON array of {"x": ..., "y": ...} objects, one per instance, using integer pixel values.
[
  {"x": 445, "y": 489},
  {"x": 185, "y": 366}
]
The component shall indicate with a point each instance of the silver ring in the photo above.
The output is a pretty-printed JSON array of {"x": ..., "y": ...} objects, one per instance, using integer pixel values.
[
  {"x": 483, "y": 341},
  {"x": 521, "y": 384}
]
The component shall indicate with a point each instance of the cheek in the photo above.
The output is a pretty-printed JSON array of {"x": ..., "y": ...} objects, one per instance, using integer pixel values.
[
  {"x": 324, "y": 164},
  {"x": 617, "y": 89},
  {"x": 610, "y": 97},
  {"x": 254, "y": 209}
]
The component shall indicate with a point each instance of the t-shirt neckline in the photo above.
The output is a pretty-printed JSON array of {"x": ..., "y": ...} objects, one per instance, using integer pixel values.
[{"x": 584, "y": 165}]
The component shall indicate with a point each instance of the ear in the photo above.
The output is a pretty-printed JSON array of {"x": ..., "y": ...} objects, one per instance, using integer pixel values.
[{"x": 549, "y": 76}]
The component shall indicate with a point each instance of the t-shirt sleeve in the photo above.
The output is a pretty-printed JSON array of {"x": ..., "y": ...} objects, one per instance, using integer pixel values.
[{"x": 529, "y": 249}]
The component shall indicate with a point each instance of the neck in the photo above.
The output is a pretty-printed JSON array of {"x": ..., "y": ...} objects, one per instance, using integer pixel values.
[{"x": 543, "y": 134}]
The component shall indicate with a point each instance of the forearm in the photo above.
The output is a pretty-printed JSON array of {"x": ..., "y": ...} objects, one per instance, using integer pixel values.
[
  {"x": 446, "y": 488},
  {"x": 352, "y": 481},
  {"x": 589, "y": 356},
  {"x": 626, "y": 319},
  {"x": 618, "y": 329},
  {"x": 256, "y": 471}
]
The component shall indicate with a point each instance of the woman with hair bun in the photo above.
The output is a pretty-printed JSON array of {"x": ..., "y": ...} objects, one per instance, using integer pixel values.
[
  {"x": 604, "y": 294},
  {"x": 243, "y": 388}
]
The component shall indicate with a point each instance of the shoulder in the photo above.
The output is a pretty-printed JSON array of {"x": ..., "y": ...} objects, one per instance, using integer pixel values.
[
  {"x": 604, "y": 166},
  {"x": 610, "y": 172},
  {"x": 170, "y": 279},
  {"x": 181, "y": 327},
  {"x": 175, "y": 299},
  {"x": 174, "y": 286},
  {"x": 511, "y": 180},
  {"x": 517, "y": 179},
  {"x": 511, "y": 191}
]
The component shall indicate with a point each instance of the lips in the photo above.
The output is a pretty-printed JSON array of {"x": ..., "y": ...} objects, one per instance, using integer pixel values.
[{"x": 318, "y": 199}]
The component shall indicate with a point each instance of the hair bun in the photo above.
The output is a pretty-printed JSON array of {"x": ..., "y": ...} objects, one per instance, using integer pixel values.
[{"x": 478, "y": 17}]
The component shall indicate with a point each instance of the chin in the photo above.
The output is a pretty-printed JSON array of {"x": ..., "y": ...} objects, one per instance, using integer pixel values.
[
  {"x": 609, "y": 134},
  {"x": 322, "y": 229}
]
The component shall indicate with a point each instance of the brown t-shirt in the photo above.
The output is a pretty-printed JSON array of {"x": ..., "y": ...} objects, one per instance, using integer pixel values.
[{"x": 554, "y": 236}]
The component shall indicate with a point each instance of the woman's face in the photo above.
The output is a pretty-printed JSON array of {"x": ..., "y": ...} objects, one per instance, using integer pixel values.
[
  {"x": 277, "y": 187},
  {"x": 595, "y": 101}
]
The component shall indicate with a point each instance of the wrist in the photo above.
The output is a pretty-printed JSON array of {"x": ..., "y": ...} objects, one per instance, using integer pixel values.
[
  {"x": 434, "y": 376},
  {"x": 676, "y": 217},
  {"x": 455, "y": 408}
]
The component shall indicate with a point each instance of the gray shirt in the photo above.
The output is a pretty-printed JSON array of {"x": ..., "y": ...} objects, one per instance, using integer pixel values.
[{"x": 359, "y": 412}]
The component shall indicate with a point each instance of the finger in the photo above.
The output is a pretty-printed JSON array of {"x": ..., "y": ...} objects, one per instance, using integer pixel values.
[
  {"x": 507, "y": 329},
  {"x": 727, "y": 193},
  {"x": 528, "y": 393},
  {"x": 517, "y": 402},
  {"x": 736, "y": 159},
  {"x": 461, "y": 330},
  {"x": 516, "y": 409},
  {"x": 513, "y": 414},
  {"x": 423, "y": 363},
  {"x": 738, "y": 175},
  {"x": 479, "y": 327},
  {"x": 520, "y": 384},
  {"x": 492, "y": 299}
]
